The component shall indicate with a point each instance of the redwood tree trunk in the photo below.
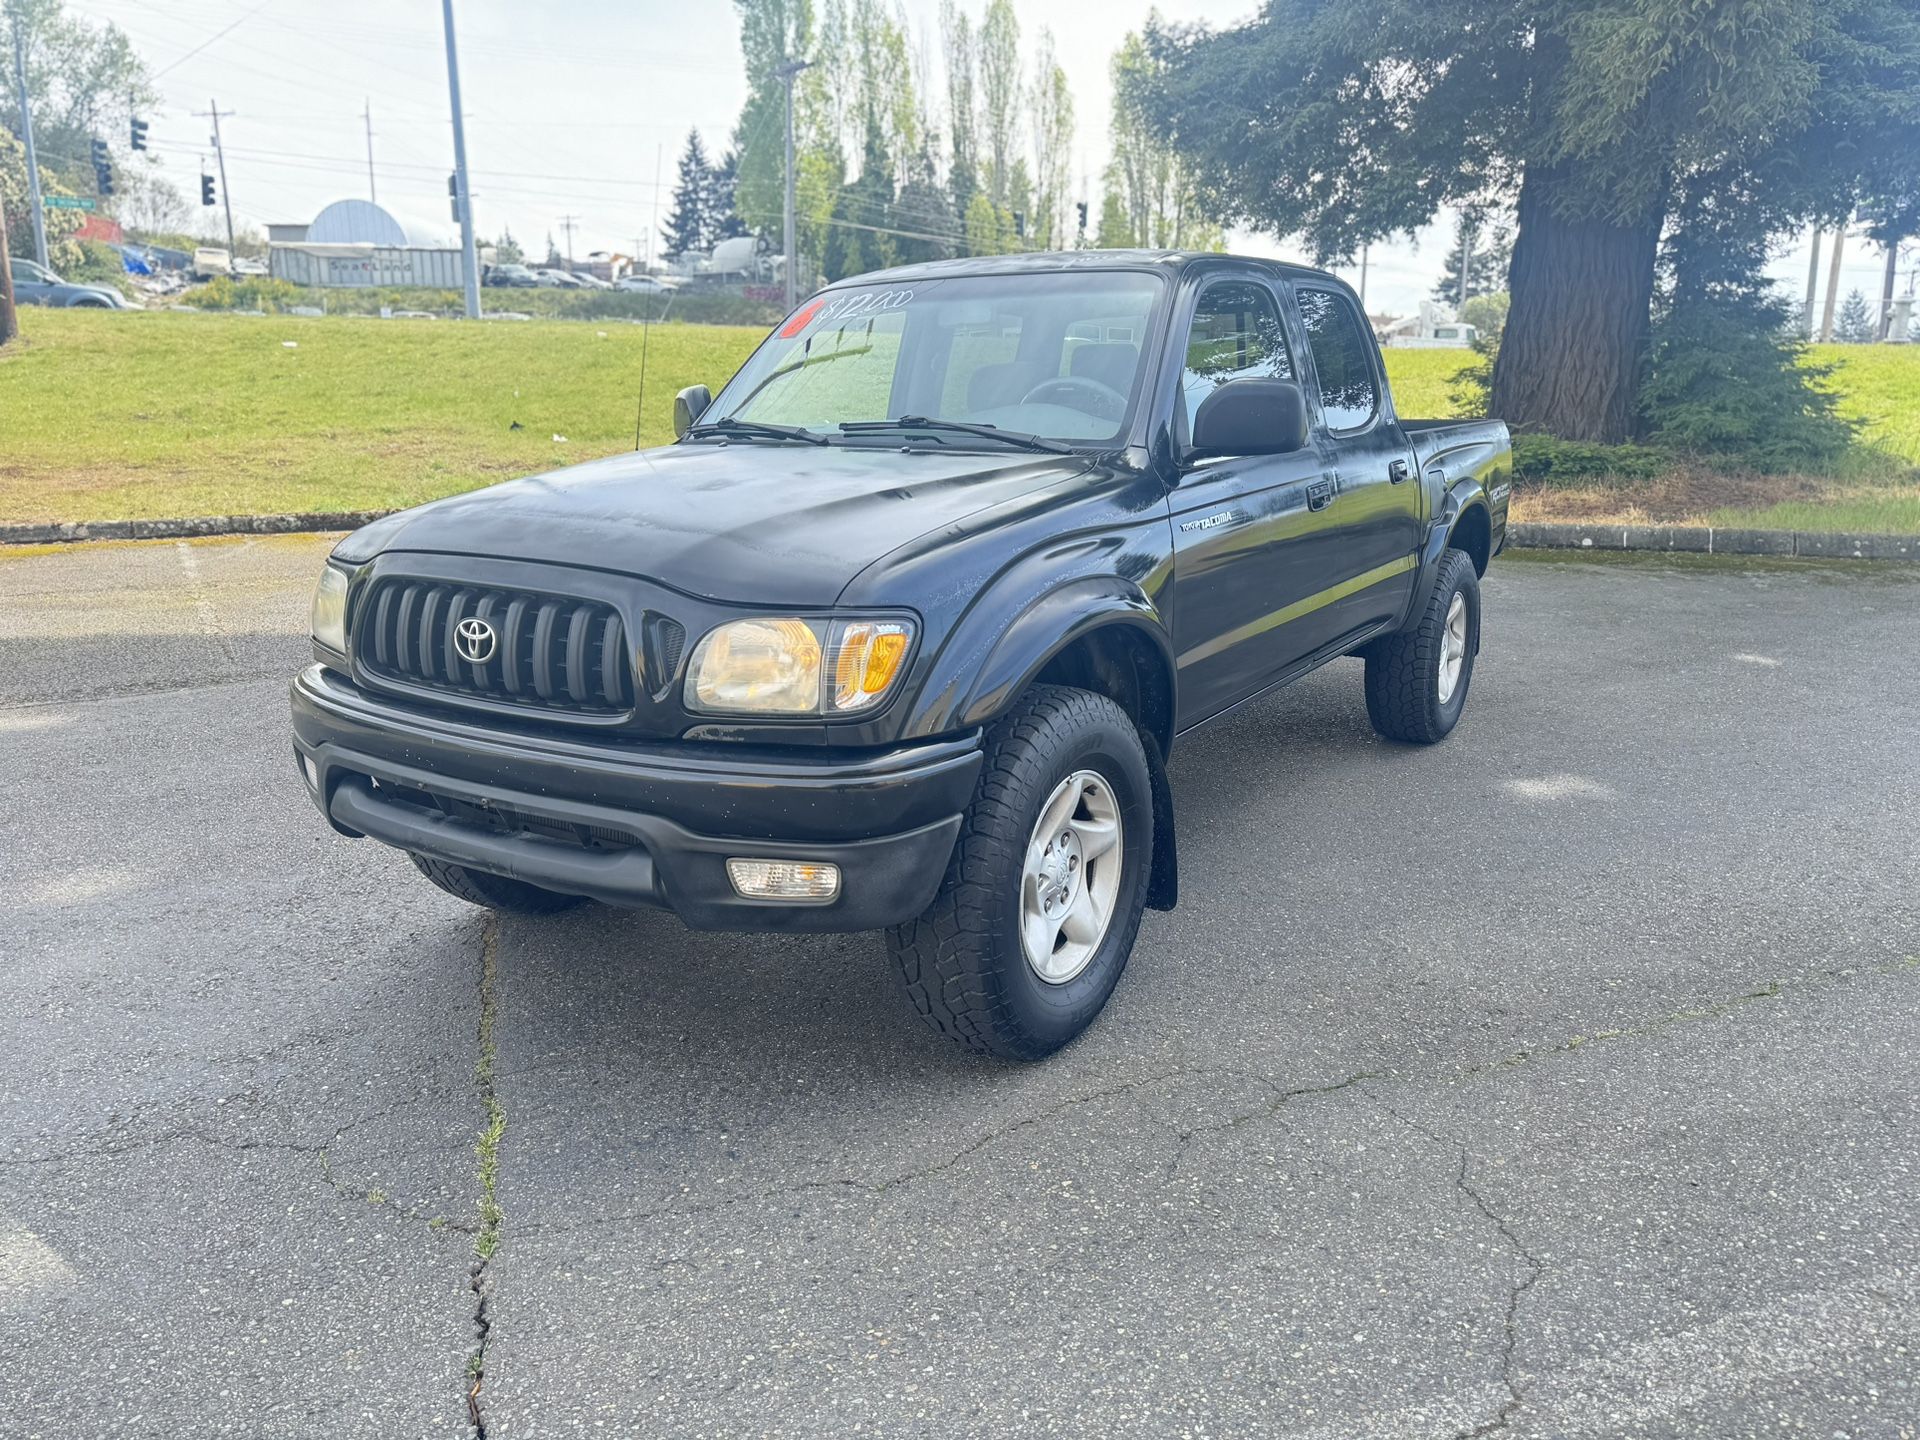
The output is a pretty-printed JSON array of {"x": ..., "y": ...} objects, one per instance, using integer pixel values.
[{"x": 1576, "y": 338}]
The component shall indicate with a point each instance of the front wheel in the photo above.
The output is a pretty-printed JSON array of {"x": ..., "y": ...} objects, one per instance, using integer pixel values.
[
  {"x": 1034, "y": 922},
  {"x": 1417, "y": 680}
]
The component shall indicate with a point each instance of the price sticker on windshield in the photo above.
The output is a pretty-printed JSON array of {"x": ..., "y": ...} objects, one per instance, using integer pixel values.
[{"x": 845, "y": 305}]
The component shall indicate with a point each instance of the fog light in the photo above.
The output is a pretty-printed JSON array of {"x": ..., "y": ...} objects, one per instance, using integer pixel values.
[
  {"x": 807, "y": 881},
  {"x": 312, "y": 772}
]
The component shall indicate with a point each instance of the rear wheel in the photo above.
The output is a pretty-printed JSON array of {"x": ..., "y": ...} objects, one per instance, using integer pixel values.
[
  {"x": 1417, "y": 680},
  {"x": 1042, "y": 899},
  {"x": 495, "y": 892}
]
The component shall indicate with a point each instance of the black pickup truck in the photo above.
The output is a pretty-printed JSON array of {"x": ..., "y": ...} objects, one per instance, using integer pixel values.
[{"x": 901, "y": 632}]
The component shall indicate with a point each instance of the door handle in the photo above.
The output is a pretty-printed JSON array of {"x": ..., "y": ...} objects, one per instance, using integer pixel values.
[
  {"x": 1319, "y": 494},
  {"x": 1398, "y": 471}
]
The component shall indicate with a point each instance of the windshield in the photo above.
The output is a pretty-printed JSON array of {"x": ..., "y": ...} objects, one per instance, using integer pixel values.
[{"x": 1055, "y": 355}]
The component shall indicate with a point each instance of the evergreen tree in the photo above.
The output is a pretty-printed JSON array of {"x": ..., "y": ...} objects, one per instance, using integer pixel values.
[
  {"x": 1727, "y": 372},
  {"x": 723, "y": 220},
  {"x": 1486, "y": 270},
  {"x": 857, "y": 241},
  {"x": 555, "y": 260},
  {"x": 688, "y": 226},
  {"x": 1855, "y": 323},
  {"x": 506, "y": 250},
  {"x": 925, "y": 210}
]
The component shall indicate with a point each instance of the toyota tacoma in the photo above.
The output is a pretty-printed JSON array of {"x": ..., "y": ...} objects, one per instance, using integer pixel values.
[{"x": 901, "y": 632}]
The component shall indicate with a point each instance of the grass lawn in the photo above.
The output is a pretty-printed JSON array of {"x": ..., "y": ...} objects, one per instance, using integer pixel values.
[{"x": 108, "y": 415}]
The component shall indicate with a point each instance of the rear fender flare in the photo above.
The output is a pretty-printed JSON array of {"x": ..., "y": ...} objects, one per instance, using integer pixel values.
[{"x": 1461, "y": 496}]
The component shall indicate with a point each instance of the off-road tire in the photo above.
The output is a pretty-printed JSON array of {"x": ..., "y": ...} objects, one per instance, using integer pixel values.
[
  {"x": 494, "y": 892},
  {"x": 1403, "y": 670},
  {"x": 961, "y": 961}
]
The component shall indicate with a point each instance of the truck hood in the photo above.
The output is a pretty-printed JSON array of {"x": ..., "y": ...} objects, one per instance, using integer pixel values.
[{"x": 756, "y": 524}]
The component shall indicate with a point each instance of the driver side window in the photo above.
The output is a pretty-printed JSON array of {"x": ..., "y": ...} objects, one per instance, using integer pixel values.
[{"x": 1236, "y": 335}]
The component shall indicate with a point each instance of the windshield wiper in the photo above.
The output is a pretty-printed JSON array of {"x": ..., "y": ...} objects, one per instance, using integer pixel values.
[
  {"x": 989, "y": 432},
  {"x": 731, "y": 426}
]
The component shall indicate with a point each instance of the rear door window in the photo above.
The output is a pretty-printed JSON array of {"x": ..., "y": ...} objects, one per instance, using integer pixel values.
[{"x": 1342, "y": 358}]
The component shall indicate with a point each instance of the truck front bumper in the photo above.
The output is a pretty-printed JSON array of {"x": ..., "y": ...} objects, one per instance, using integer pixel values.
[{"x": 638, "y": 824}]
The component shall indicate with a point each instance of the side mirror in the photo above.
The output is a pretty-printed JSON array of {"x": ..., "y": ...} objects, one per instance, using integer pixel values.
[
  {"x": 688, "y": 406},
  {"x": 1251, "y": 417}
]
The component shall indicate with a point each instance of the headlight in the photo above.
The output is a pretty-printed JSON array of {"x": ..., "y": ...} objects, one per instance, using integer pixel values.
[
  {"x": 780, "y": 666},
  {"x": 330, "y": 610}
]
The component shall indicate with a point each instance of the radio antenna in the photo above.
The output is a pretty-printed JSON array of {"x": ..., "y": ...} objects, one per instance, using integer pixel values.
[
  {"x": 646, "y": 323},
  {"x": 646, "y": 330}
]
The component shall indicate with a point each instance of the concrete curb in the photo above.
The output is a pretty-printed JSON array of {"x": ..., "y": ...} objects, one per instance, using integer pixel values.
[
  {"x": 1686, "y": 539},
  {"x": 75, "y": 531},
  {"x": 1706, "y": 540}
]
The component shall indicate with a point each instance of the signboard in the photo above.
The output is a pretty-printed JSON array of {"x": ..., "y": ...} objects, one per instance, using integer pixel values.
[{"x": 69, "y": 202}]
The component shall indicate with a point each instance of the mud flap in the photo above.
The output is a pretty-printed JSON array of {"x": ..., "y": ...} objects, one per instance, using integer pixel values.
[{"x": 1163, "y": 884}]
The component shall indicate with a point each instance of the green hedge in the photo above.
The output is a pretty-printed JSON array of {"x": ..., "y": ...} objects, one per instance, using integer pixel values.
[
  {"x": 688, "y": 307},
  {"x": 1543, "y": 460}
]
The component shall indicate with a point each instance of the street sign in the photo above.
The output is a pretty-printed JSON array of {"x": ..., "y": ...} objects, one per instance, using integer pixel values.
[{"x": 70, "y": 202}]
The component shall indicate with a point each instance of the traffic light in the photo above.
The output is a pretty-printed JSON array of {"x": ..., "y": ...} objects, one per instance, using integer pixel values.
[
  {"x": 1020, "y": 223},
  {"x": 138, "y": 130},
  {"x": 453, "y": 196},
  {"x": 206, "y": 190},
  {"x": 102, "y": 168},
  {"x": 1082, "y": 208}
]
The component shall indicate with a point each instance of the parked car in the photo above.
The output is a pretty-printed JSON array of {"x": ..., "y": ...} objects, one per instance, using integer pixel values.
[
  {"x": 830, "y": 663},
  {"x": 34, "y": 284},
  {"x": 247, "y": 265},
  {"x": 210, "y": 261},
  {"x": 645, "y": 284},
  {"x": 589, "y": 281},
  {"x": 558, "y": 279},
  {"x": 517, "y": 277}
]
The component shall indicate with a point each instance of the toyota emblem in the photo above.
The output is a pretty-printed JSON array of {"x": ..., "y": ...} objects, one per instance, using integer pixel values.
[{"x": 475, "y": 639}]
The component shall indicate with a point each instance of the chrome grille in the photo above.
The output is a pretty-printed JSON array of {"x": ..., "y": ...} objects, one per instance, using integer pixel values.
[{"x": 551, "y": 652}]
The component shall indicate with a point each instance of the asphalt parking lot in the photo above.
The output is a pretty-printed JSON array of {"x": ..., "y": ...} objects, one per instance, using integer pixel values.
[{"x": 1560, "y": 1080}]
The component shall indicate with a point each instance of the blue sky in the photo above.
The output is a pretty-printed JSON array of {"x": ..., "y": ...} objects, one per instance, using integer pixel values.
[{"x": 568, "y": 109}]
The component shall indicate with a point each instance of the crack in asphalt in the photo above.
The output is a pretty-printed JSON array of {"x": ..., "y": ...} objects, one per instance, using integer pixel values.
[
  {"x": 1772, "y": 990},
  {"x": 486, "y": 1151},
  {"x": 1536, "y": 1269},
  {"x": 1282, "y": 1098}
]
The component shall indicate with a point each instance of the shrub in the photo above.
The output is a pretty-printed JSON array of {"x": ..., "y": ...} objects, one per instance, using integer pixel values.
[
  {"x": 1543, "y": 460},
  {"x": 99, "y": 265},
  {"x": 252, "y": 293}
]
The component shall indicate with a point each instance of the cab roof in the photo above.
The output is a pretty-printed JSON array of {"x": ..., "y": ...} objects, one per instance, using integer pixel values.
[{"x": 1166, "y": 262}]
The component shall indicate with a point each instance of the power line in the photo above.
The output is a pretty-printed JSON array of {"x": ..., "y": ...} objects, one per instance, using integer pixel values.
[{"x": 211, "y": 39}]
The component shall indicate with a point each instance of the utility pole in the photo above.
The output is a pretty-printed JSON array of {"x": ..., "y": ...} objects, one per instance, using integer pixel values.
[
  {"x": 567, "y": 223},
  {"x": 469, "y": 255},
  {"x": 1885, "y": 327},
  {"x": 1833, "y": 285},
  {"x": 1466, "y": 257},
  {"x": 787, "y": 73},
  {"x": 215, "y": 113},
  {"x": 373, "y": 194},
  {"x": 9, "y": 317},
  {"x": 26, "y": 138},
  {"x": 1813, "y": 285}
]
